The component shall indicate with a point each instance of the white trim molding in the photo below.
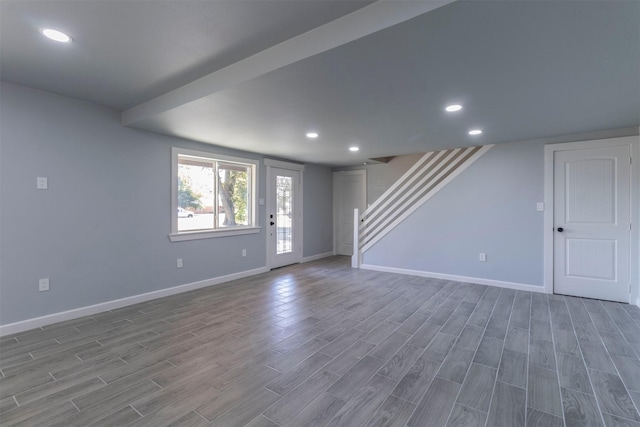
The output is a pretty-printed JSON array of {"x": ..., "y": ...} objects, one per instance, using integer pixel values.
[
  {"x": 475, "y": 280},
  {"x": 195, "y": 235},
  {"x": 37, "y": 322},
  {"x": 284, "y": 165},
  {"x": 317, "y": 257}
]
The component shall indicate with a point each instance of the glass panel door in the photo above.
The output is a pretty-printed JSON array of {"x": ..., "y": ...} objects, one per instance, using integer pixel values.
[
  {"x": 284, "y": 214},
  {"x": 284, "y": 243}
]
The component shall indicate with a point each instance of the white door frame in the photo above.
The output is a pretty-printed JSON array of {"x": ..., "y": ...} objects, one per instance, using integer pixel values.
[
  {"x": 549, "y": 153},
  {"x": 298, "y": 237},
  {"x": 336, "y": 201}
]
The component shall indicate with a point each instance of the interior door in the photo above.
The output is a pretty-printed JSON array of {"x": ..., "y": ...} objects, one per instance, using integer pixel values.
[
  {"x": 350, "y": 192},
  {"x": 284, "y": 243},
  {"x": 592, "y": 223}
]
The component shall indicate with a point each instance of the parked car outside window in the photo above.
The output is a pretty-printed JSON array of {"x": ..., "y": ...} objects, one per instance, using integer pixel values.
[{"x": 183, "y": 213}]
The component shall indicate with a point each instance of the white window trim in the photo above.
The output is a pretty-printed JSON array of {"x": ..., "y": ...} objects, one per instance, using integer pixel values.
[
  {"x": 180, "y": 236},
  {"x": 208, "y": 234}
]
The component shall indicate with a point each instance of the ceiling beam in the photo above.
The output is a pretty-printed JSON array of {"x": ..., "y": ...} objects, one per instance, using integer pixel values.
[{"x": 360, "y": 23}]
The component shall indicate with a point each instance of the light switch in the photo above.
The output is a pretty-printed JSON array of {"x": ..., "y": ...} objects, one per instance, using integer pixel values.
[
  {"x": 41, "y": 183},
  {"x": 540, "y": 206}
]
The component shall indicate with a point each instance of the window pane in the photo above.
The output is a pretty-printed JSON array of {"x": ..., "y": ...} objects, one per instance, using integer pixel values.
[
  {"x": 195, "y": 194},
  {"x": 284, "y": 208},
  {"x": 211, "y": 194},
  {"x": 233, "y": 198}
]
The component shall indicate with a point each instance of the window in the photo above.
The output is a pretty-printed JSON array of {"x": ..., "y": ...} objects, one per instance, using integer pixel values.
[{"x": 212, "y": 195}]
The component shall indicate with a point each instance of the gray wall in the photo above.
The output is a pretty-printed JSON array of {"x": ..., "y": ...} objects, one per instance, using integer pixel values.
[
  {"x": 490, "y": 207},
  {"x": 100, "y": 232},
  {"x": 317, "y": 210}
]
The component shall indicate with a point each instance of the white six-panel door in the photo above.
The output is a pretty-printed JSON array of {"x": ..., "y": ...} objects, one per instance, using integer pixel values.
[{"x": 591, "y": 242}]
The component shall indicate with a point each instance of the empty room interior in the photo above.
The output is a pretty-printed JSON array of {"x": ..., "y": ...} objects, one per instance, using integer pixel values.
[{"x": 294, "y": 213}]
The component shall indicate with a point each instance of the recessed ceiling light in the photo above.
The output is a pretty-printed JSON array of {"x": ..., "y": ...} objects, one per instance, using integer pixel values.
[
  {"x": 354, "y": 148},
  {"x": 312, "y": 135},
  {"x": 453, "y": 107},
  {"x": 55, "y": 35},
  {"x": 475, "y": 131}
]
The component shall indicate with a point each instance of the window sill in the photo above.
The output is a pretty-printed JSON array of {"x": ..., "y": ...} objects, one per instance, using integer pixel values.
[{"x": 209, "y": 234}]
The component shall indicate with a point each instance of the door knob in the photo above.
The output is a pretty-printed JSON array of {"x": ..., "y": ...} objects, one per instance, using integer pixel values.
[
  {"x": 271, "y": 223},
  {"x": 560, "y": 229}
]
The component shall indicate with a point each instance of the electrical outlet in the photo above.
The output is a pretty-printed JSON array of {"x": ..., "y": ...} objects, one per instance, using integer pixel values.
[
  {"x": 43, "y": 285},
  {"x": 244, "y": 252},
  {"x": 42, "y": 183},
  {"x": 482, "y": 257},
  {"x": 179, "y": 263}
]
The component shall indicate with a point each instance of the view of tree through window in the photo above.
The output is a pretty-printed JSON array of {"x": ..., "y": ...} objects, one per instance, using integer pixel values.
[
  {"x": 212, "y": 194},
  {"x": 232, "y": 181}
]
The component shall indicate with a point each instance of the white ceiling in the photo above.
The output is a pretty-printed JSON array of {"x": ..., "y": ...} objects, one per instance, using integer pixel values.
[{"x": 257, "y": 75}]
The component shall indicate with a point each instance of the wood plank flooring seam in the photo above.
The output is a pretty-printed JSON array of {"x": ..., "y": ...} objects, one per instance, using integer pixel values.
[
  {"x": 555, "y": 358},
  {"x": 475, "y": 354},
  {"x": 584, "y": 362},
  {"x": 526, "y": 376}
]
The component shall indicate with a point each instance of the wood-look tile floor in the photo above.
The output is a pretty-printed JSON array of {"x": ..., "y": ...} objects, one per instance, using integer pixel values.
[{"x": 321, "y": 344}]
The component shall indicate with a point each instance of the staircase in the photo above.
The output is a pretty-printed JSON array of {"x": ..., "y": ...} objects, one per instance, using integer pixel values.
[{"x": 428, "y": 176}]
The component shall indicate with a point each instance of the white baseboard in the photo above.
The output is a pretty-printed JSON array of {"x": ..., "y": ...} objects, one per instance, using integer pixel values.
[
  {"x": 317, "y": 257},
  {"x": 476, "y": 280},
  {"x": 37, "y": 322}
]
